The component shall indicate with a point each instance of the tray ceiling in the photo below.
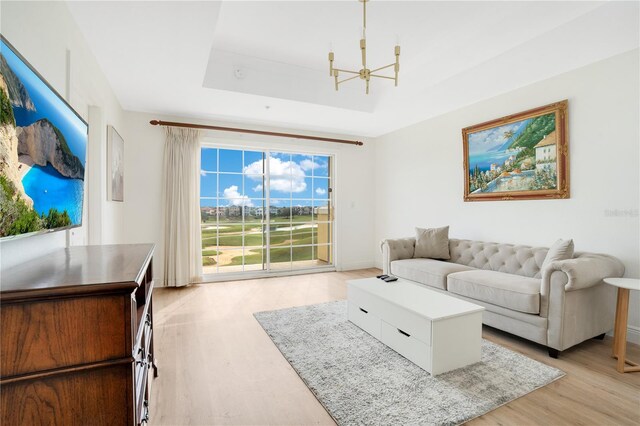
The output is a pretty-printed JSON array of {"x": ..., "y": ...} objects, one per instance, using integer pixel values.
[{"x": 265, "y": 62}]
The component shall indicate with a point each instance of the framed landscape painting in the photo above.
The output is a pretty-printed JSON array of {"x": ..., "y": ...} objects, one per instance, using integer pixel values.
[{"x": 522, "y": 156}]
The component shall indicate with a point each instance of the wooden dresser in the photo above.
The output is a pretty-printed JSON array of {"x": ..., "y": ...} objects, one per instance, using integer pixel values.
[{"x": 76, "y": 342}]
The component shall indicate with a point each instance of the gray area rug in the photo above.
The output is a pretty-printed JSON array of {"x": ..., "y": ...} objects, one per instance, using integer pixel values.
[{"x": 360, "y": 381}]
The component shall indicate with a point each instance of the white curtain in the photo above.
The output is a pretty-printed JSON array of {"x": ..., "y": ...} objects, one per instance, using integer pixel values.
[{"x": 181, "y": 210}]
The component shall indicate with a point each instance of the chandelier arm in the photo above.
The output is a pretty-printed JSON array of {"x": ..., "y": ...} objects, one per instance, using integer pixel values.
[
  {"x": 350, "y": 78},
  {"x": 381, "y": 68},
  {"x": 383, "y": 76},
  {"x": 350, "y": 72}
]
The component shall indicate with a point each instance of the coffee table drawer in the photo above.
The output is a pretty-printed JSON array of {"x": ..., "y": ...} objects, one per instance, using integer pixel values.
[
  {"x": 416, "y": 325},
  {"x": 406, "y": 345},
  {"x": 363, "y": 318}
]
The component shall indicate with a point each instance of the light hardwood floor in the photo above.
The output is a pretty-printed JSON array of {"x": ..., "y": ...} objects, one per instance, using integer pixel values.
[{"x": 217, "y": 366}]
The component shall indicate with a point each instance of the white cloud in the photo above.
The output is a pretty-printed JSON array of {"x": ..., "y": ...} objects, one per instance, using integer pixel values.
[
  {"x": 258, "y": 188},
  {"x": 203, "y": 173},
  {"x": 285, "y": 175},
  {"x": 254, "y": 168},
  {"x": 308, "y": 165},
  {"x": 235, "y": 198},
  {"x": 320, "y": 191}
]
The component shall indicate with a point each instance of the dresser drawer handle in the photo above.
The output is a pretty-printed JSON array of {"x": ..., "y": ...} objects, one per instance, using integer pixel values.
[
  {"x": 145, "y": 419},
  {"x": 366, "y": 312},
  {"x": 404, "y": 333}
]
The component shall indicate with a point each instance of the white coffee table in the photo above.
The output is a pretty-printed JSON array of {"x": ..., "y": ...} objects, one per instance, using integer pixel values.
[{"x": 437, "y": 332}]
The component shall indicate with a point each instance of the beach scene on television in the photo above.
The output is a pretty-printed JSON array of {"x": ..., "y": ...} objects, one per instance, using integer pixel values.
[
  {"x": 518, "y": 156},
  {"x": 42, "y": 152}
]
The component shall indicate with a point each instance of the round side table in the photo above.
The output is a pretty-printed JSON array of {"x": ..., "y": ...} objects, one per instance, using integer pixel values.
[{"x": 620, "y": 330}]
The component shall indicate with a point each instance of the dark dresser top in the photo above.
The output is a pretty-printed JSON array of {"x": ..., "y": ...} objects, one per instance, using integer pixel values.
[{"x": 77, "y": 268}]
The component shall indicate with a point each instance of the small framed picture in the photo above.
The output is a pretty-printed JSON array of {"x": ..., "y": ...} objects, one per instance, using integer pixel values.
[{"x": 115, "y": 165}]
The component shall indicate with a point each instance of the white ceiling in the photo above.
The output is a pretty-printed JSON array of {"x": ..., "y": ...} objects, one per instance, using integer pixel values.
[{"x": 180, "y": 58}]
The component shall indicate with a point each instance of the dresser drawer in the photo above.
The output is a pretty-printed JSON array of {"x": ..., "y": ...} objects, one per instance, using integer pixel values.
[
  {"x": 406, "y": 345},
  {"x": 49, "y": 334},
  {"x": 96, "y": 397},
  {"x": 363, "y": 318}
]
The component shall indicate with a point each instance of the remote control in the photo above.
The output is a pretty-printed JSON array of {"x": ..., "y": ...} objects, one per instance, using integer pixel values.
[
  {"x": 390, "y": 279},
  {"x": 382, "y": 277}
]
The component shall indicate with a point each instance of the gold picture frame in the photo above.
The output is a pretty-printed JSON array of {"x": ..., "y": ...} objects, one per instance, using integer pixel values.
[{"x": 523, "y": 156}]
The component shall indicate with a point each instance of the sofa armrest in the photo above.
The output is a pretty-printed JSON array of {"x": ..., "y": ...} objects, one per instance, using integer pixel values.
[
  {"x": 575, "y": 301},
  {"x": 396, "y": 249},
  {"x": 585, "y": 271}
]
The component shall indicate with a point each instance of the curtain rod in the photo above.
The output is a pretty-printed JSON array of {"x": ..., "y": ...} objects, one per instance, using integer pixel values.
[{"x": 253, "y": 132}]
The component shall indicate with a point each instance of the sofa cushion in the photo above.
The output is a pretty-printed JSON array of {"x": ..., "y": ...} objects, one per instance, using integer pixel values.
[
  {"x": 432, "y": 243},
  {"x": 426, "y": 271},
  {"x": 507, "y": 290},
  {"x": 560, "y": 250}
]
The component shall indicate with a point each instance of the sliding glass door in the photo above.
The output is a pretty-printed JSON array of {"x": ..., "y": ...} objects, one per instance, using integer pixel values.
[{"x": 265, "y": 211}]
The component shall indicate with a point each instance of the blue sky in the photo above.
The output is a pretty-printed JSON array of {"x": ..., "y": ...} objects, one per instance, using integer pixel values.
[
  {"x": 48, "y": 105},
  {"x": 241, "y": 177},
  {"x": 486, "y": 140}
]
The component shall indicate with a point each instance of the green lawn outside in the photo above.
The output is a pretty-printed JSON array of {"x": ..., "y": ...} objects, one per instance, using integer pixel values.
[
  {"x": 230, "y": 235},
  {"x": 278, "y": 255},
  {"x": 297, "y": 237}
]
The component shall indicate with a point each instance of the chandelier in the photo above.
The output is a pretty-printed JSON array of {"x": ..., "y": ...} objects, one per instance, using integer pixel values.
[{"x": 365, "y": 73}]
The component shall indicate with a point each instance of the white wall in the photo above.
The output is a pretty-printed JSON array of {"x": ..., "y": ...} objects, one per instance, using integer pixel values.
[
  {"x": 420, "y": 174},
  {"x": 43, "y": 32},
  {"x": 143, "y": 183},
  {"x": 417, "y": 178}
]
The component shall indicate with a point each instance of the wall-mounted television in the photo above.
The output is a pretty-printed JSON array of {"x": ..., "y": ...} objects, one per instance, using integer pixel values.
[{"x": 43, "y": 145}]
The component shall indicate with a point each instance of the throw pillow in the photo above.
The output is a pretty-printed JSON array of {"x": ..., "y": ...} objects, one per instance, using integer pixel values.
[
  {"x": 432, "y": 243},
  {"x": 560, "y": 250}
]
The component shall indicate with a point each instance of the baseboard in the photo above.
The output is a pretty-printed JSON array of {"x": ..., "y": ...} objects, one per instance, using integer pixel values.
[
  {"x": 158, "y": 282},
  {"x": 633, "y": 334},
  {"x": 350, "y": 266}
]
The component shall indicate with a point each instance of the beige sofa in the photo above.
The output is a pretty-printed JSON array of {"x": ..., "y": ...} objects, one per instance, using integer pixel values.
[{"x": 559, "y": 307}]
